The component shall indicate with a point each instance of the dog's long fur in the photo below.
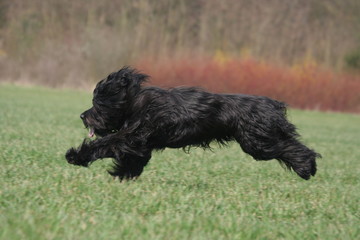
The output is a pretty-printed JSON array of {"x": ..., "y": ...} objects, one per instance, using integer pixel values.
[{"x": 131, "y": 121}]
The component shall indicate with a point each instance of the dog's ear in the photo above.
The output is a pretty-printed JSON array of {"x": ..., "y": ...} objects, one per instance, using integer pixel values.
[
  {"x": 125, "y": 79},
  {"x": 130, "y": 77}
]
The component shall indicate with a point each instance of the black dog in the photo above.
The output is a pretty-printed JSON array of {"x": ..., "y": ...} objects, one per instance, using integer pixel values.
[{"x": 131, "y": 121}]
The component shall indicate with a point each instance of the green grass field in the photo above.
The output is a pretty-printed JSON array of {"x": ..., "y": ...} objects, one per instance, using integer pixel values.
[{"x": 220, "y": 194}]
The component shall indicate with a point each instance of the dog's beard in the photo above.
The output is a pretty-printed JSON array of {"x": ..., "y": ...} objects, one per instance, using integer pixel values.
[
  {"x": 96, "y": 129},
  {"x": 99, "y": 133},
  {"x": 93, "y": 131},
  {"x": 97, "y": 125}
]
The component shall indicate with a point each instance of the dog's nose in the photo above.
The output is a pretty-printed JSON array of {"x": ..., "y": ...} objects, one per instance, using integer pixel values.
[{"x": 82, "y": 116}]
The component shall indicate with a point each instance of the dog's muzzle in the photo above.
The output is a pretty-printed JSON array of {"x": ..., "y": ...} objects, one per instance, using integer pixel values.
[{"x": 91, "y": 129}]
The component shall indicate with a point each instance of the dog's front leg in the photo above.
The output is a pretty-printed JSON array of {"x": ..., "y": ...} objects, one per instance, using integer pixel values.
[
  {"x": 129, "y": 166},
  {"x": 88, "y": 152},
  {"x": 129, "y": 159}
]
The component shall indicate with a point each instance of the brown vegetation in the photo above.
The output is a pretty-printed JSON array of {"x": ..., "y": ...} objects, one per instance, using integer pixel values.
[{"x": 303, "y": 86}]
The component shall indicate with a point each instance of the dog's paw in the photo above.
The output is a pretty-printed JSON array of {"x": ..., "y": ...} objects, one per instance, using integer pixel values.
[{"x": 73, "y": 157}]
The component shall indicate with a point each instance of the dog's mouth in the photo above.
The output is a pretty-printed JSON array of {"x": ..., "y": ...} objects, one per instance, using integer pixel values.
[
  {"x": 91, "y": 132},
  {"x": 96, "y": 132}
]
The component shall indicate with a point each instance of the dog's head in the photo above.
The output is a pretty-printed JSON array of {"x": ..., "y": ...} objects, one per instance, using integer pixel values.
[{"x": 112, "y": 98}]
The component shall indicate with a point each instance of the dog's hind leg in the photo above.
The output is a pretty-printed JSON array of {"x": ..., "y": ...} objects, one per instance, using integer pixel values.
[
  {"x": 298, "y": 157},
  {"x": 291, "y": 153},
  {"x": 286, "y": 149}
]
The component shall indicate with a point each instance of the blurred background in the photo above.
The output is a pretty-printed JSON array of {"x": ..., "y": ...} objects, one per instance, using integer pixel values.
[{"x": 305, "y": 52}]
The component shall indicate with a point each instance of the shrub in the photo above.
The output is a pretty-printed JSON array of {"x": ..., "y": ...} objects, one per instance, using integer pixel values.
[{"x": 305, "y": 87}]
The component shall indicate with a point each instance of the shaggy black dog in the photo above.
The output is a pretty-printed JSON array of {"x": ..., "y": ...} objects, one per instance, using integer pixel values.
[{"x": 131, "y": 121}]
